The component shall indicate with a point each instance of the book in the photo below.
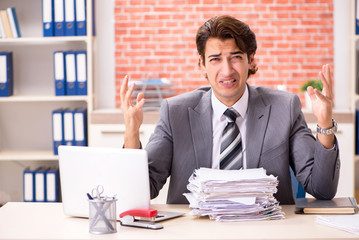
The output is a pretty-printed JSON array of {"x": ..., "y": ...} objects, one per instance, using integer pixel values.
[{"x": 344, "y": 205}]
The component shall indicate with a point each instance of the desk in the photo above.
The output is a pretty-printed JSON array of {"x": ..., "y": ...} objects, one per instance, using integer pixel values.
[{"x": 47, "y": 221}]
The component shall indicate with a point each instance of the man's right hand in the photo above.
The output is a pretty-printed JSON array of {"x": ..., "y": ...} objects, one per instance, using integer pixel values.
[{"x": 132, "y": 114}]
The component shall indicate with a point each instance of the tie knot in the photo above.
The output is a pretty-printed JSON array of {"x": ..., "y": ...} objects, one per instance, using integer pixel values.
[{"x": 231, "y": 114}]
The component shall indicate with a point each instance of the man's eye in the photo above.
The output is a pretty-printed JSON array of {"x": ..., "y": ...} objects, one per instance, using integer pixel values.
[
  {"x": 214, "y": 59},
  {"x": 237, "y": 57}
]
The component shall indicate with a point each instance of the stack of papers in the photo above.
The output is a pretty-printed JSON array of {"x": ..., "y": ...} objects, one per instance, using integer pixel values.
[
  {"x": 349, "y": 223},
  {"x": 233, "y": 195}
]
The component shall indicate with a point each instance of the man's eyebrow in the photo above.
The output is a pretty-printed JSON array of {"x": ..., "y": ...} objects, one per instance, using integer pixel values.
[
  {"x": 238, "y": 52},
  {"x": 215, "y": 55}
]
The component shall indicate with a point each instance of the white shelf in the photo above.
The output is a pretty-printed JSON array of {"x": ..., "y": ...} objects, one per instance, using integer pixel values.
[
  {"x": 44, "y": 40},
  {"x": 43, "y": 98},
  {"x": 27, "y": 156}
]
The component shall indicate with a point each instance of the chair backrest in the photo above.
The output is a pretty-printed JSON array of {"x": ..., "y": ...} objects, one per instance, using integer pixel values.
[{"x": 298, "y": 191}]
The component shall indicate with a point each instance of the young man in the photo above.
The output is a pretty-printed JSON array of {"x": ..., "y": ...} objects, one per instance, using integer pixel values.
[{"x": 268, "y": 127}]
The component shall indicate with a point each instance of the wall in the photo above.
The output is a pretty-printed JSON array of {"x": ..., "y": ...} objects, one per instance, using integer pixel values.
[{"x": 157, "y": 38}]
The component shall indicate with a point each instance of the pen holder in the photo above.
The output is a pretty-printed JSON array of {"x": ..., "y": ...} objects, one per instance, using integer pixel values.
[{"x": 102, "y": 216}]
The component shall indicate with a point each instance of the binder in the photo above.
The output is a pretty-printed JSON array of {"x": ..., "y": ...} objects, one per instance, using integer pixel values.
[
  {"x": 81, "y": 72},
  {"x": 6, "y": 23},
  {"x": 70, "y": 26},
  {"x": 2, "y": 29},
  {"x": 356, "y": 17},
  {"x": 70, "y": 63},
  {"x": 6, "y": 74},
  {"x": 48, "y": 18},
  {"x": 81, "y": 18},
  {"x": 11, "y": 13},
  {"x": 28, "y": 185},
  {"x": 59, "y": 73},
  {"x": 59, "y": 16},
  {"x": 68, "y": 128},
  {"x": 52, "y": 185},
  {"x": 40, "y": 185},
  {"x": 80, "y": 127},
  {"x": 57, "y": 129}
]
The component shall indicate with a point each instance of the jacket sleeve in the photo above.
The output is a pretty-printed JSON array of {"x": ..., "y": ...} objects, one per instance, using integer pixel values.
[{"x": 316, "y": 167}]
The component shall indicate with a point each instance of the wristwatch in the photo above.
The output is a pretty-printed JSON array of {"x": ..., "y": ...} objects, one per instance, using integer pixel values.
[{"x": 328, "y": 131}]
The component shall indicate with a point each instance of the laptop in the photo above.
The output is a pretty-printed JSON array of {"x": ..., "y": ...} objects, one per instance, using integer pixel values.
[{"x": 122, "y": 173}]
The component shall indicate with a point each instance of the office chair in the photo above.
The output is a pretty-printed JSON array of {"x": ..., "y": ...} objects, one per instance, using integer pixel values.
[{"x": 298, "y": 191}]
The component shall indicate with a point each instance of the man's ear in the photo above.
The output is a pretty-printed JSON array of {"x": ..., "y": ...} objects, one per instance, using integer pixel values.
[
  {"x": 251, "y": 61},
  {"x": 202, "y": 66}
]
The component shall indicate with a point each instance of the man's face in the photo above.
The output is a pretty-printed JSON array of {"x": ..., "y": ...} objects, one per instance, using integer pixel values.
[{"x": 226, "y": 67}]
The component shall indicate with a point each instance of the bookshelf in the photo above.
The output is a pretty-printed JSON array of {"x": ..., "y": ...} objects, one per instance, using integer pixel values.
[{"x": 29, "y": 137}]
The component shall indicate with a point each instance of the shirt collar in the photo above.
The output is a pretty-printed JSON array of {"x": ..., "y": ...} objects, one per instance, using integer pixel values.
[{"x": 240, "y": 106}]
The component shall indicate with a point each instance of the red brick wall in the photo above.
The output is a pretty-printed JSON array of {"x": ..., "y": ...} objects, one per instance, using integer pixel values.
[{"x": 157, "y": 37}]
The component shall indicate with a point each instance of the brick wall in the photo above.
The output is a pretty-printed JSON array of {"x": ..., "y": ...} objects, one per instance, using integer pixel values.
[{"x": 157, "y": 38}]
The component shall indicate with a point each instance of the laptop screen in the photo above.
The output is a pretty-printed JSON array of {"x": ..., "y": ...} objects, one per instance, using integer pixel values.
[{"x": 123, "y": 173}]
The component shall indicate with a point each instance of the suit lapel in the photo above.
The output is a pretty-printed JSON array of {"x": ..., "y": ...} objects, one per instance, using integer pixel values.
[
  {"x": 201, "y": 128},
  {"x": 258, "y": 116}
]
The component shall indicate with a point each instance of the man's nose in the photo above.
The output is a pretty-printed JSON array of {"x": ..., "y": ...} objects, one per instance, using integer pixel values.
[{"x": 227, "y": 68}]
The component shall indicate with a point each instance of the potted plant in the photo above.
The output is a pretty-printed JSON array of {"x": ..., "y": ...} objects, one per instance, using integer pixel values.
[{"x": 315, "y": 83}]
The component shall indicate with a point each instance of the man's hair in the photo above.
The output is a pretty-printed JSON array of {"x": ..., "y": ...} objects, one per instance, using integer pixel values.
[{"x": 227, "y": 27}]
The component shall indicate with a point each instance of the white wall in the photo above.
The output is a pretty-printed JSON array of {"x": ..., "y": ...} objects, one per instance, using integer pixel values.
[{"x": 105, "y": 52}]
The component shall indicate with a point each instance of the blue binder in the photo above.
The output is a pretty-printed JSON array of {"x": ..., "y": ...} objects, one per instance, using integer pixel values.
[
  {"x": 70, "y": 23},
  {"x": 6, "y": 76},
  {"x": 69, "y": 139},
  {"x": 59, "y": 16},
  {"x": 40, "y": 184},
  {"x": 59, "y": 73},
  {"x": 48, "y": 18},
  {"x": 81, "y": 18},
  {"x": 57, "y": 129},
  {"x": 356, "y": 17},
  {"x": 81, "y": 72},
  {"x": 11, "y": 13},
  {"x": 80, "y": 127},
  {"x": 28, "y": 185},
  {"x": 52, "y": 185},
  {"x": 70, "y": 63}
]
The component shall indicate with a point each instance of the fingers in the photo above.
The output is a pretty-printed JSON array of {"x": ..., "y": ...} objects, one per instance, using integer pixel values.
[
  {"x": 125, "y": 93},
  {"x": 325, "y": 77},
  {"x": 140, "y": 100}
]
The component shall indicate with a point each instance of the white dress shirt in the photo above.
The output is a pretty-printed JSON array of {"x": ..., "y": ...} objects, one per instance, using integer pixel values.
[{"x": 219, "y": 122}]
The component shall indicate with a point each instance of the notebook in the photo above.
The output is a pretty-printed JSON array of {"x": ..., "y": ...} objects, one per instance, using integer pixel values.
[
  {"x": 343, "y": 205},
  {"x": 122, "y": 173}
]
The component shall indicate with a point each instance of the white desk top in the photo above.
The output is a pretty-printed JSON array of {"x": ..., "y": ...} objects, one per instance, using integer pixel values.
[{"x": 47, "y": 221}]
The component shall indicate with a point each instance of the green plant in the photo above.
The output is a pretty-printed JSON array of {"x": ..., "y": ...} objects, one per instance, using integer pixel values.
[{"x": 316, "y": 83}]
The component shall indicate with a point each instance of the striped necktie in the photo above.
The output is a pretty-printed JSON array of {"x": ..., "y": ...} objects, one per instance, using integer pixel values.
[{"x": 231, "y": 156}]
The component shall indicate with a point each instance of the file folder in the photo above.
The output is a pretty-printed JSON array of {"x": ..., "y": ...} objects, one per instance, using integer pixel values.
[
  {"x": 6, "y": 74},
  {"x": 59, "y": 73},
  {"x": 80, "y": 127},
  {"x": 2, "y": 29},
  {"x": 57, "y": 129},
  {"x": 48, "y": 18},
  {"x": 11, "y": 13},
  {"x": 70, "y": 26},
  {"x": 81, "y": 18},
  {"x": 68, "y": 128},
  {"x": 6, "y": 23},
  {"x": 70, "y": 63},
  {"x": 59, "y": 16},
  {"x": 40, "y": 185},
  {"x": 28, "y": 185},
  {"x": 81, "y": 72},
  {"x": 52, "y": 185}
]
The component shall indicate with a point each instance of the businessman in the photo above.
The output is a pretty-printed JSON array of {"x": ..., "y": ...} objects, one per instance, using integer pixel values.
[{"x": 232, "y": 125}]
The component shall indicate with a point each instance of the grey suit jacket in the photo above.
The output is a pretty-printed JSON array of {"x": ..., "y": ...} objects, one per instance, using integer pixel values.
[{"x": 277, "y": 137}]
